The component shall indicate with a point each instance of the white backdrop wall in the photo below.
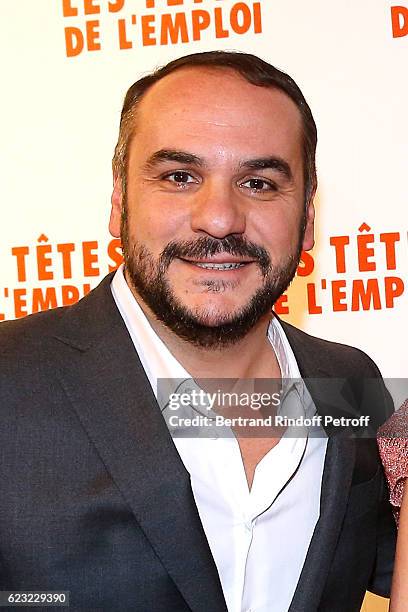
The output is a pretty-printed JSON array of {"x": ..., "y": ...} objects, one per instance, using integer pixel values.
[{"x": 66, "y": 67}]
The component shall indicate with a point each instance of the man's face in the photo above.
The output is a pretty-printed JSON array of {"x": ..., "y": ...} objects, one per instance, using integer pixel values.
[{"x": 215, "y": 216}]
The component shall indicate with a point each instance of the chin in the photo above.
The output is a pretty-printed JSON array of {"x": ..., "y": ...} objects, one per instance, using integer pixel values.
[
  {"x": 213, "y": 313},
  {"x": 213, "y": 318}
]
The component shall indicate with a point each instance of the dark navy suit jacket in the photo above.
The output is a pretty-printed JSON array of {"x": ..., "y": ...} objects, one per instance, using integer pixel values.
[{"x": 94, "y": 498}]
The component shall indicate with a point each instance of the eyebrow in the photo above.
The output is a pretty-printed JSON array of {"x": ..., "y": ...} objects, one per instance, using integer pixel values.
[
  {"x": 173, "y": 155},
  {"x": 183, "y": 157},
  {"x": 274, "y": 163}
]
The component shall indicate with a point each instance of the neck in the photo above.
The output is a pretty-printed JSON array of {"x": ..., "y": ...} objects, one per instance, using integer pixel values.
[
  {"x": 243, "y": 359},
  {"x": 250, "y": 357}
]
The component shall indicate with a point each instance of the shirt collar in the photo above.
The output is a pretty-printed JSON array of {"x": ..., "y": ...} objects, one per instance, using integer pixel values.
[{"x": 158, "y": 361}]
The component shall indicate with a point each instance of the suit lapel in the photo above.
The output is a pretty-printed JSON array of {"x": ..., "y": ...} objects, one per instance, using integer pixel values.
[
  {"x": 336, "y": 481},
  {"x": 106, "y": 384}
]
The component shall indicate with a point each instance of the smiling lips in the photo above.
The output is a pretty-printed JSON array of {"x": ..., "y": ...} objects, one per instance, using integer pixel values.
[
  {"x": 215, "y": 265},
  {"x": 219, "y": 266}
]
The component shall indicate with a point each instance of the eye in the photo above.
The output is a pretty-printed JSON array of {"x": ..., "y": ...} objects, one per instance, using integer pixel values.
[
  {"x": 258, "y": 185},
  {"x": 180, "y": 177}
]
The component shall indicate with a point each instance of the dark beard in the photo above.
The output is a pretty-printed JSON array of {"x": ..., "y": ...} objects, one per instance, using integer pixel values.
[{"x": 148, "y": 279}]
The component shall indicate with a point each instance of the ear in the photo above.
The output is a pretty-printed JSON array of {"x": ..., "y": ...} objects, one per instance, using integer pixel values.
[
  {"x": 116, "y": 210},
  {"x": 308, "y": 239}
]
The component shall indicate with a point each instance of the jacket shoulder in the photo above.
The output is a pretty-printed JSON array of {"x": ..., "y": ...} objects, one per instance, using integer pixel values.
[
  {"x": 21, "y": 333},
  {"x": 84, "y": 319},
  {"x": 341, "y": 360}
]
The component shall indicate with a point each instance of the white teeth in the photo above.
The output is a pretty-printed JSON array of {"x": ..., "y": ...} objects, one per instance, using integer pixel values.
[{"x": 223, "y": 266}]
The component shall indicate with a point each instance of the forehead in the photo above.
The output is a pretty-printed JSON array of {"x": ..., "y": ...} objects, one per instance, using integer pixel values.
[{"x": 204, "y": 106}]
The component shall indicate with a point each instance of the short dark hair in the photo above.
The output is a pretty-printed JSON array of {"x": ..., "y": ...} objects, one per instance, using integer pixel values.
[{"x": 255, "y": 70}]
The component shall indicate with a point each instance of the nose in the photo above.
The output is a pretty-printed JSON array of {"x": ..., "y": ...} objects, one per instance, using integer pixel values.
[{"x": 217, "y": 211}]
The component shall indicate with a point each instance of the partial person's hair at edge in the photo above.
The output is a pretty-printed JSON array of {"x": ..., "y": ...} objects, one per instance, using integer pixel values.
[{"x": 255, "y": 70}]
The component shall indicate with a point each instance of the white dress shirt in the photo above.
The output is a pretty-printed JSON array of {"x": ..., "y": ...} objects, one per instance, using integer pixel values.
[{"x": 258, "y": 537}]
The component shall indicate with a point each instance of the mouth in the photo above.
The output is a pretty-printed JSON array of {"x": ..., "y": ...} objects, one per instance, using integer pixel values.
[
  {"x": 214, "y": 266},
  {"x": 217, "y": 266}
]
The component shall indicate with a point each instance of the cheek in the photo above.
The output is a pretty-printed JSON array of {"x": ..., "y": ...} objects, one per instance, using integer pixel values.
[
  {"x": 156, "y": 223},
  {"x": 278, "y": 231}
]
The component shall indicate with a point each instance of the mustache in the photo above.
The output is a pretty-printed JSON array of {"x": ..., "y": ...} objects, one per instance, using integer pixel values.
[{"x": 207, "y": 246}]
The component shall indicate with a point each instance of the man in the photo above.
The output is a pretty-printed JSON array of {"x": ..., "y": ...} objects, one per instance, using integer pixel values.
[{"x": 213, "y": 199}]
